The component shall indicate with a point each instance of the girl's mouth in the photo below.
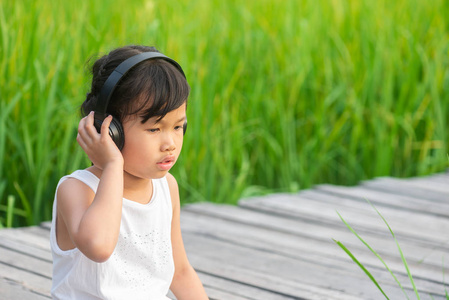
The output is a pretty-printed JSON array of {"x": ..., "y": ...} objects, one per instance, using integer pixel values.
[{"x": 166, "y": 163}]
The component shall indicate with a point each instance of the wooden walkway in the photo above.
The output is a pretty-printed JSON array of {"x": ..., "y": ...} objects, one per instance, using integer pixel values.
[{"x": 281, "y": 246}]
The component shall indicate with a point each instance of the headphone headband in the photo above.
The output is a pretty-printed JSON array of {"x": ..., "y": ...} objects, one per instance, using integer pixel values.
[{"x": 123, "y": 68}]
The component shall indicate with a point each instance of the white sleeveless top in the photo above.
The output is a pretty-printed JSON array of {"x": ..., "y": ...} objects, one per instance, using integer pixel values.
[{"x": 141, "y": 266}]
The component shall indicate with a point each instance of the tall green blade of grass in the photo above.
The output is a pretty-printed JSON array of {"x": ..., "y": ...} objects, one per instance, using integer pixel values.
[
  {"x": 404, "y": 261},
  {"x": 27, "y": 207},
  {"x": 444, "y": 284},
  {"x": 375, "y": 253},
  {"x": 342, "y": 246}
]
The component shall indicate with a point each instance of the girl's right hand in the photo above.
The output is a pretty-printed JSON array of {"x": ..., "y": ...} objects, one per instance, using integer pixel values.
[{"x": 99, "y": 147}]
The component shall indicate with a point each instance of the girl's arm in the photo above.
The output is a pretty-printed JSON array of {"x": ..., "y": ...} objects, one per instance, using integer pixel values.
[
  {"x": 92, "y": 221},
  {"x": 186, "y": 284}
]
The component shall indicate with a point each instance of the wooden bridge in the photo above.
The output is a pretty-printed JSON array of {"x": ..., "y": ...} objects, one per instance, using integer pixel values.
[{"x": 282, "y": 246}]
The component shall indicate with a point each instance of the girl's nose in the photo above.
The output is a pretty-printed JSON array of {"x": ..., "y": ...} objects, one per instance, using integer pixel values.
[{"x": 168, "y": 144}]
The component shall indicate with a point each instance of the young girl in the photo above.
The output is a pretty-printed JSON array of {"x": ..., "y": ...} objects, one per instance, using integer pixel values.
[{"x": 116, "y": 228}]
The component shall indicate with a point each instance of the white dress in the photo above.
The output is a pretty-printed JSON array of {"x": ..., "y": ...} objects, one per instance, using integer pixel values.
[{"x": 141, "y": 266}]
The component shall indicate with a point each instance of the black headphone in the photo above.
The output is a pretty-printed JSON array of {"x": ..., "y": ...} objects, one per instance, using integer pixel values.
[{"x": 115, "y": 128}]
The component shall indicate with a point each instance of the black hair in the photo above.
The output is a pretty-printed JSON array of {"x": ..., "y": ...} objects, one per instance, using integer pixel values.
[{"x": 152, "y": 88}]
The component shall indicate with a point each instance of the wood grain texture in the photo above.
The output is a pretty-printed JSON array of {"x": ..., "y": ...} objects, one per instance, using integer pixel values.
[{"x": 282, "y": 246}]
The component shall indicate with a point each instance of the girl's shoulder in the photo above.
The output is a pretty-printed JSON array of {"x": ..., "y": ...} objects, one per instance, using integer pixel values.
[
  {"x": 89, "y": 177},
  {"x": 171, "y": 180},
  {"x": 72, "y": 186},
  {"x": 81, "y": 183},
  {"x": 173, "y": 187},
  {"x": 73, "y": 196}
]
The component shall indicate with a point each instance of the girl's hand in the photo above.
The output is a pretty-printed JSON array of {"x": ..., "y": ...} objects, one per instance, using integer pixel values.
[{"x": 99, "y": 147}]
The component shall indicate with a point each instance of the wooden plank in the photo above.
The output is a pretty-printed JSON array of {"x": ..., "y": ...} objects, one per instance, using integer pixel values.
[
  {"x": 205, "y": 255},
  {"x": 438, "y": 183},
  {"x": 441, "y": 177},
  {"x": 25, "y": 258},
  {"x": 418, "y": 227},
  {"x": 39, "y": 231},
  {"x": 25, "y": 262},
  {"x": 292, "y": 208},
  {"x": 382, "y": 199},
  {"x": 223, "y": 288},
  {"x": 280, "y": 247},
  {"x": 23, "y": 248},
  {"x": 305, "y": 229},
  {"x": 293, "y": 278},
  {"x": 46, "y": 226},
  {"x": 341, "y": 278},
  {"x": 33, "y": 236},
  {"x": 13, "y": 290},
  {"x": 324, "y": 253},
  {"x": 214, "y": 290},
  {"x": 416, "y": 249},
  {"x": 32, "y": 282},
  {"x": 408, "y": 224},
  {"x": 204, "y": 227},
  {"x": 402, "y": 187}
]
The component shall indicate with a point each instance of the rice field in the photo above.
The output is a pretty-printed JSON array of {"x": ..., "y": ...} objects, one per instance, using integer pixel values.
[{"x": 285, "y": 94}]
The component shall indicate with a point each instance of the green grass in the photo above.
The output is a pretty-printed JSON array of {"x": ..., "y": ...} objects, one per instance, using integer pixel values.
[
  {"x": 403, "y": 258},
  {"x": 285, "y": 94}
]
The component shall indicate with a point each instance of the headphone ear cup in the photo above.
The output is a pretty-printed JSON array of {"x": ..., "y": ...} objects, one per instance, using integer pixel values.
[
  {"x": 184, "y": 127},
  {"x": 116, "y": 131}
]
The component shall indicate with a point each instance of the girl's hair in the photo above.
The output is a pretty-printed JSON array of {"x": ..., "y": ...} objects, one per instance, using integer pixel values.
[{"x": 152, "y": 88}]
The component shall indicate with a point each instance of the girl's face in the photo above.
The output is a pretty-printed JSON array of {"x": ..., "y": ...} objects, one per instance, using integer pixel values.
[{"x": 151, "y": 148}]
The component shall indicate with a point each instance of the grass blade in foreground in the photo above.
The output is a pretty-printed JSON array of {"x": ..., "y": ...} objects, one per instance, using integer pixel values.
[
  {"x": 445, "y": 290},
  {"x": 361, "y": 267},
  {"x": 400, "y": 251},
  {"x": 374, "y": 252}
]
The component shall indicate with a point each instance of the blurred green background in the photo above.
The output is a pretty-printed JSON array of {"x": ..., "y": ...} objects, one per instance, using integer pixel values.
[{"x": 285, "y": 94}]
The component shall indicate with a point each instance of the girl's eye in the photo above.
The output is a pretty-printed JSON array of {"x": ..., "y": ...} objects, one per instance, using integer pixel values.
[
  {"x": 179, "y": 127},
  {"x": 153, "y": 130}
]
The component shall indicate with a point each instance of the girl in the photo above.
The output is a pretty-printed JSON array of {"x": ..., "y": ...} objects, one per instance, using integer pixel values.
[{"x": 116, "y": 228}]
